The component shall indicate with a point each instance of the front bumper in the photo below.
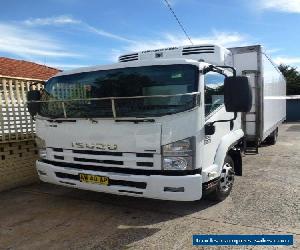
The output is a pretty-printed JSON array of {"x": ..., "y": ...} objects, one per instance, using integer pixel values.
[{"x": 178, "y": 188}]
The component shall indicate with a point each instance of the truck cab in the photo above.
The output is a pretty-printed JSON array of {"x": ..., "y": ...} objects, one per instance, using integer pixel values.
[{"x": 160, "y": 124}]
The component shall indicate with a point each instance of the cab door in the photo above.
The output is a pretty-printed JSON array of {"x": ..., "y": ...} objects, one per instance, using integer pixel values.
[{"x": 215, "y": 110}]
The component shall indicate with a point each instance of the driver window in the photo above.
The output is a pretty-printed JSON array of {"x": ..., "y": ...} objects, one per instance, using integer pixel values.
[{"x": 213, "y": 91}]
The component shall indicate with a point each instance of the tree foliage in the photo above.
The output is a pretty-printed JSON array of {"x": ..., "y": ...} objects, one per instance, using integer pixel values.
[{"x": 292, "y": 76}]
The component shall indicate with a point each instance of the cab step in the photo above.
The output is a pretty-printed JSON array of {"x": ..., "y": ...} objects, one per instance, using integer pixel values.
[{"x": 250, "y": 147}]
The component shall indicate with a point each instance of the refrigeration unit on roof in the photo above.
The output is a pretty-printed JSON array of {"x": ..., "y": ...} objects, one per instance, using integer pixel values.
[{"x": 210, "y": 53}]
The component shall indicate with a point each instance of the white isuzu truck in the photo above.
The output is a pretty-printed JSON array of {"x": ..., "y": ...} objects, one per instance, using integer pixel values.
[{"x": 166, "y": 124}]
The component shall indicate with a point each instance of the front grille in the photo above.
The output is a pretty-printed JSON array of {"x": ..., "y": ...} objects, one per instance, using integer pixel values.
[
  {"x": 112, "y": 182},
  {"x": 59, "y": 157},
  {"x": 57, "y": 149},
  {"x": 144, "y": 164},
  {"x": 99, "y": 161},
  {"x": 104, "y": 158},
  {"x": 144, "y": 155},
  {"x": 92, "y": 152}
]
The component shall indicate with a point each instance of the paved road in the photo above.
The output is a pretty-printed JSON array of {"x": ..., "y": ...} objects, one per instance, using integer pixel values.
[{"x": 266, "y": 200}]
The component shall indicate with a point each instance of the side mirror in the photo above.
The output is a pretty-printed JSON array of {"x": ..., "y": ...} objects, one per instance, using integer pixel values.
[
  {"x": 32, "y": 106},
  {"x": 237, "y": 94}
]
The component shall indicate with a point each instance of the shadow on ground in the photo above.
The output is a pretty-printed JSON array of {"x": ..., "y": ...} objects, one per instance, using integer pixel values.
[{"x": 45, "y": 215}]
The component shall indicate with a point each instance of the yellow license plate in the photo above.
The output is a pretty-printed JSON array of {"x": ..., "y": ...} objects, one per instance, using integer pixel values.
[{"x": 94, "y": 179}]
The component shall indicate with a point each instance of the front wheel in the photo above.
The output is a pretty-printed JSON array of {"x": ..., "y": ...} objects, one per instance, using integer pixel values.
[{"x": 225, "y": 183}]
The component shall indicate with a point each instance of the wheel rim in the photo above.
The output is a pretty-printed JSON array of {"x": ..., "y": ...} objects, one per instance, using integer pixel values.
[{"x": 227, "y": 177}]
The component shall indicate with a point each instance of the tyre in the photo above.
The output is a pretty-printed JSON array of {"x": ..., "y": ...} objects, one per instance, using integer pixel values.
[
  {"x": 272, "y": 138},
  {"x": 225, "y": 183}
]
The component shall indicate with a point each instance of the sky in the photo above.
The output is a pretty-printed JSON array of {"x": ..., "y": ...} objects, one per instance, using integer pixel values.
[{"x": 73, "y": 33}]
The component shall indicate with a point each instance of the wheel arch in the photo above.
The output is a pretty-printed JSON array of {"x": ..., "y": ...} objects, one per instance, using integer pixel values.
[{"x": 228, "y": 145}]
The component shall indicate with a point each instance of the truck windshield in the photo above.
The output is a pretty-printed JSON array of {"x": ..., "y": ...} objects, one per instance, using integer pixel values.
[{"x": 75, "y": 95}]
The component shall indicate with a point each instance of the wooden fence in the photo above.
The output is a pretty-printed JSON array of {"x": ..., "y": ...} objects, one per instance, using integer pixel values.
[{"x": 15, "y": 122}]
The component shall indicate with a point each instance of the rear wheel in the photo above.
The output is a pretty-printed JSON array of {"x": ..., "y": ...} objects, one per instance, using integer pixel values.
[{"x": 225, "y": 183}]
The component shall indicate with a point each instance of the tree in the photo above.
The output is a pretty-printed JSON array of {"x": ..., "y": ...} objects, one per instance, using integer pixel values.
[{"x": 292, "y": 76}]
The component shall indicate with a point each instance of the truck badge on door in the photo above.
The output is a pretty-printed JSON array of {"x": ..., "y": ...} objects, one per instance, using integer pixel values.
[{"x": 100, "y": 146}]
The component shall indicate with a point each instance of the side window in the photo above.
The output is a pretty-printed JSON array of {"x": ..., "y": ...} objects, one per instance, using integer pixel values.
[{"x": 214, "y": 91}]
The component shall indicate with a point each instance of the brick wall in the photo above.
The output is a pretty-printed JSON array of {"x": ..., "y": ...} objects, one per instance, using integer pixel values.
[{"x": 17, "y": 164}]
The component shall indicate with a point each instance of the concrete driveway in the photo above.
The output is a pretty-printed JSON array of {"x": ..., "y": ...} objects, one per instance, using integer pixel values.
[{"x": 266, "y": 200}]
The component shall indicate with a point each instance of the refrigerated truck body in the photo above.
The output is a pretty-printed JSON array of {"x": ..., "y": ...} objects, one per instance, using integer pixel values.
[
  {"x": 155, "y": 124},
  {"x": 269, "y": 90}
]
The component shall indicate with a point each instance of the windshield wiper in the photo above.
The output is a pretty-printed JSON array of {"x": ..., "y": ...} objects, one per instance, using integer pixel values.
[{"x": 135, "y": 120}]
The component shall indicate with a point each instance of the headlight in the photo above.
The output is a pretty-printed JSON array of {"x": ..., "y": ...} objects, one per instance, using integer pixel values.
[
  {"x": 179, "y": 155},
  {"x": 41, "y": 145}
]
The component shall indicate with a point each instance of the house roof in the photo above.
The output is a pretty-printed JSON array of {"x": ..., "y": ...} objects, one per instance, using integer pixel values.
[{"x": 24, "y": 69}]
